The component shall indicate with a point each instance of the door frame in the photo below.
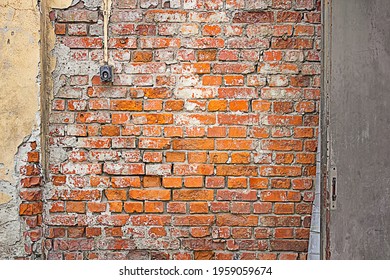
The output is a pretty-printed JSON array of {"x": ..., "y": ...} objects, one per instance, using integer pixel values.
[{"x": 325, "y": 146}]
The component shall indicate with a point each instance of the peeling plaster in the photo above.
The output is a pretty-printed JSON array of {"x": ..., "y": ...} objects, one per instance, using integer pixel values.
[
  {"x": 19, "y": 111},
  {"x": 19, "y": 71}
]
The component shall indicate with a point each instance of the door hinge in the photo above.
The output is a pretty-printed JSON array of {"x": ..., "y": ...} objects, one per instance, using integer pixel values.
[{"x": 333, "y": 188}]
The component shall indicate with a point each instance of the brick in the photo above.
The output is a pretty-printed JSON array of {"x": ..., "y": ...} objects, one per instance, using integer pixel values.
[
  {"x": 150, "y": 194},
  {"x": 30, "y": 209},
  {"x": 126, "y": 105},
  {"x": 292, "y": 171},
  {"x": 124, "y": 169},
  {"x": 176, "y": 207},
  {"x": 77, "y": 16},
  {"x": 215, "y": 182},
  {"x": 236, "y": 170},
  {"x": 193, "y": 182},
  {"x": 194, "y": 220},
  {"x": 282, "y": 145},
  {"x": 191, "y": 195},
  {"x": 237, "y": 220},
  {"x": 154, "y": 143},
  {"x": 234, "y": 80},
  {"x": 245, "y": 43},
  {"x": 115, "y": 194},
  {"x": 292, "y": 43},
  {"x": 237, "y": 195},
  {"x": 152, "y": 118},
  {"x": 233, "y": 68},
  {"x": 222, "y": 144},
  {"x": 147, "y": 220},
  {"x": 289, "y": 245},
  {"x": 154, "y": 207},
  {"x": 193, "y": 144},
  {"x": 280, "y": 221},
  {"x": 125, "y": 182},
  {"x": 165, "y": 16},
  {"x": 212, "y": 80},
  {"x": 172, "y": 182},
  {"x": 96, "y": 207},
  {"x": 253, "y": 17},
  {"x": 151, "y": 181},
  {"x": 159, "y": 43},
  {"x": 232, "y": 93},
  {"x": 75, "y": 207},
  {"x": 83, "y": 42}
]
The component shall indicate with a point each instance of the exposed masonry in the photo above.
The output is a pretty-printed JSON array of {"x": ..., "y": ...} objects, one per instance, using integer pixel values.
[{"x": 203, "y": 147}]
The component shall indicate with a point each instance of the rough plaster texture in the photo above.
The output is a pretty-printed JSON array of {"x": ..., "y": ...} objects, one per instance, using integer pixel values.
[
  {"x": 19, "y": 34},
  {"x": 19, "y": 108}
]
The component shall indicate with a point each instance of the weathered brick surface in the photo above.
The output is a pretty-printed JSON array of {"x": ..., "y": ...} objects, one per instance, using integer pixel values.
[
  {"x": 31, "y": 199},
  {"x": 203, "y": 147}
]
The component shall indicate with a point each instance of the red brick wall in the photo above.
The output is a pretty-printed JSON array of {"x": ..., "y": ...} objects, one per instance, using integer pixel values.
[{"x": 204, "y": 145}]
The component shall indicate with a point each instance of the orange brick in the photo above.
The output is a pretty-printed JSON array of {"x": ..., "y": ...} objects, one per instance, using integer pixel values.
[
  {"x": 193, "y": 144},
  {"x": 75, "y": 207},
  {"x": 201, "y": 68},
  {"x": 154, "y": 207},
  {"x": 193, "y": 182},
  {"x": 228, "y": 144},
  {"x": 152, "y": 181},
  {"x": 237, "y": 183},
  {"x": 212, "y": 80},
  {"x": 197, "y": 157},
  {"x": 115, "y": 194},
  {"x": 199, "y": 207},
  {"x": 272, "y": 55},
  {"x": 156, "y": 232},
  {"x": 207, "y": 55},
  {"x": 172, "y": 182},
  {"x": 142, "y": 56},
  {"x": 241, "y": 207},
  {"x": 152, "y": 157},
  {"x": 243, "y": 157},
  {"x": 211, "y": 30},
  {"x": 188, "y": 195},
  {"x": 258, "y": 183},
  {"x": 284, "y": 208},
  {"x": 173, "y": 131},
  {"x": 174, "y": 105},
  {"x": 219, "y": 157},
  {"x": 126, "y": 105},
  {"x": 239, "y": 105},
  {"x": 237, "y": 132},
  {"x": 217, "y": 105},
  {"x": 96, "y": 207},
  {"x": 33, "y": 156},
  {"x": 133, "y": 207},
  {"x": 150, "y": 194},
  {"x": 29, "y": 209},
  {"x": 261, "y": 106},
  {"x": 175, "y": 156},
  {"x": 110, "y": 130},
  {"x": 234, "y": 80},
  {"x": 284, "y": 233},
  {"x": 153, "y": 105}
]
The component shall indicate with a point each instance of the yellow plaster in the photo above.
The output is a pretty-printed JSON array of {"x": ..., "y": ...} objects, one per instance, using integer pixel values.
[
  {"x": 19, "y": 59},
  {"x": 59, "y": 4},
  {"x": 4, "y": 198}
]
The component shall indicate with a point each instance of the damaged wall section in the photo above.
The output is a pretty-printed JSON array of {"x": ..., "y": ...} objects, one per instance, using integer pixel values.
[{"x": 19, "y": 114}]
